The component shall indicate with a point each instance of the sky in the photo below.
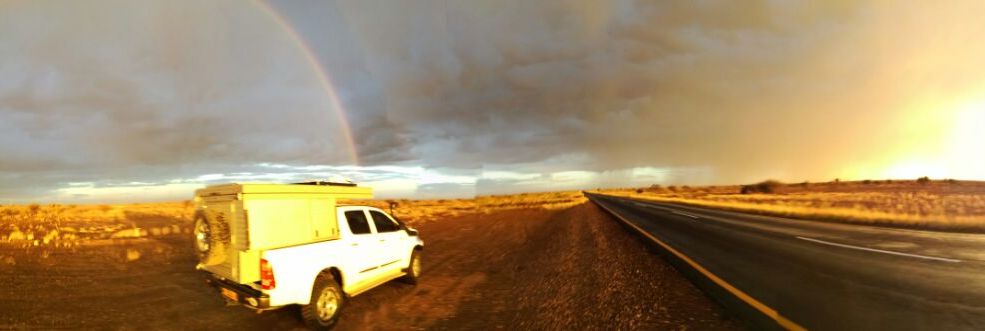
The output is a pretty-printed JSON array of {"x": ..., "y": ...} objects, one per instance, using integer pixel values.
[{"x": 114, "y": 101}]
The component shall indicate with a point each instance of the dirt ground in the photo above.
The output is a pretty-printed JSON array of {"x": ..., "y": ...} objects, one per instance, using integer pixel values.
[{"x": 572, "y": 268}]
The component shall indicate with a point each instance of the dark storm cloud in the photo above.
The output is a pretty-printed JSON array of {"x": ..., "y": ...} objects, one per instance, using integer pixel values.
[{"x": 745, "y": 88}]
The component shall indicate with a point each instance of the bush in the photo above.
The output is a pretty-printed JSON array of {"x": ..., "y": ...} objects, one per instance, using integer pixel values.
[
  {"x": 923, "y": 180},
  {"x": 639, "y": 191},
  {"x": 766, "y": 186},
  {"x": 867, "y": 181}
]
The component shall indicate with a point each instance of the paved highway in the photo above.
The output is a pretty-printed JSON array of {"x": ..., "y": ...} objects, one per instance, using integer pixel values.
[{"x": 783, "y": 273}]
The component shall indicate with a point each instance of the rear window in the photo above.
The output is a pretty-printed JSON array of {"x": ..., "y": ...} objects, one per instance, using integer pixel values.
[
  {"x": 383, "y": 223},
  {"x": 357, "y": 222}
]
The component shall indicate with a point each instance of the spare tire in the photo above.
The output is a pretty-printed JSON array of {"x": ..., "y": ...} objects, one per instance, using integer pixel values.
[{"x": 208, "y": 239}]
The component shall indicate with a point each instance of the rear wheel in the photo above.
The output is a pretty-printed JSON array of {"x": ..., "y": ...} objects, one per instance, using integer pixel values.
[
  {"x": 413, "y": 270},
  {"x": 325, "y": 306}
]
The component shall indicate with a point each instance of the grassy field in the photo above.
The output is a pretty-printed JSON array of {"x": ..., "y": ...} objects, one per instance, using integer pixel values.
[
  {"x": 927, "y": 204},
  {"x": 55, "y": 225},
  {"x": 939, "y": 205}
]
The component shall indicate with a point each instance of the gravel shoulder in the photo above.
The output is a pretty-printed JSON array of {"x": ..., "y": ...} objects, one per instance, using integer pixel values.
[{"x": 572, "y": 268}]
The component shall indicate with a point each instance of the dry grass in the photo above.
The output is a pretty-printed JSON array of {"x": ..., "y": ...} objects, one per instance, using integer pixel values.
[
  {"x": 939, "y": 205},
  {"x": 70, "y": 225},
  {"x": 34, "y": 225},
  {"x": 419, "y": 211}
]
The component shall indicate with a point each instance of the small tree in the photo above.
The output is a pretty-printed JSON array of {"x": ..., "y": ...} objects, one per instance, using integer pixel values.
[
  {"x": 766, "y": 186},
  {"x": 393, "y": 205},
  {"x": 34, "y": 209},
  {"x": 923, "y": 180}
]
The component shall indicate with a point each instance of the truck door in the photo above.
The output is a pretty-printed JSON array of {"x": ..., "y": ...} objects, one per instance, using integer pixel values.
[
  {"x": 392, "y": 243},
  {"x": 362, "y": 247}
]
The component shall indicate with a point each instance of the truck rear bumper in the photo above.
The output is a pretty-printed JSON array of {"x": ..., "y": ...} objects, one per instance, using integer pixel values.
[{"x": 239, "y": 293}]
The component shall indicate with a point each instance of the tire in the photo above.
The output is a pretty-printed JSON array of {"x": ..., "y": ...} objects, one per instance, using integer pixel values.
[
  {"x": 208, "y": 241},
  {"x": 325, "y": 305},
  {"x": 413, "y": 271}
]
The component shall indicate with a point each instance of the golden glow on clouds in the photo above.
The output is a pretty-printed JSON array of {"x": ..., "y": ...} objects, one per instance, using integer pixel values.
[
  {"x": 89, "y": 192},
  {"x": 967, "y": 150},
  {"x": 947, "y": 142}
]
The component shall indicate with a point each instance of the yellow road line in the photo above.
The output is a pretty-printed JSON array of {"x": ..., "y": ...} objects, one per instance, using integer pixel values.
[{"x": 761, "y": 307}]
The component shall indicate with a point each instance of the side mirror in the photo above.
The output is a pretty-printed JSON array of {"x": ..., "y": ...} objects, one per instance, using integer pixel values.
[{"x": 412, "y": 232}]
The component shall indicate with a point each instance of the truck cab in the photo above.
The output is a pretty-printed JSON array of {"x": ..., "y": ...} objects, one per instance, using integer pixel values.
[{"x": 267, "y": 246}]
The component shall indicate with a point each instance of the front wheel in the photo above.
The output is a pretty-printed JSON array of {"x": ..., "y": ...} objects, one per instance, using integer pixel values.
[
  {"x": 413, "y": 270},
  {"x": 325, "y": 306}
]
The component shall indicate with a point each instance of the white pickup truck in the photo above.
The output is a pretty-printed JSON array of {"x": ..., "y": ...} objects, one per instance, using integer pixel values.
[{"x": 266, "y": 246}]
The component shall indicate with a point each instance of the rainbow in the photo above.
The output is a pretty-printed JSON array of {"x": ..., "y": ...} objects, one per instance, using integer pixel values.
[{"x": 323, "y": 78}]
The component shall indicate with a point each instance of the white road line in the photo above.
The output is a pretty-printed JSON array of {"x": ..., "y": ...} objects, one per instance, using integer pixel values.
[
  {"x": 685, "y": 214},
  {"x": 758, "y": 305},
  {"x": 880, "y": 251},
  {"x": 666, "y": 209}
]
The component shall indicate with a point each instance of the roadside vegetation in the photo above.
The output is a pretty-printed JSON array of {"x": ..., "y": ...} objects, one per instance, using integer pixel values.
[
  {"x": 421, "y": 211},
  {"x": 948, "y": 205},
  {"x": 66, "y": 225},
  {"x": 69, "y": 225}
]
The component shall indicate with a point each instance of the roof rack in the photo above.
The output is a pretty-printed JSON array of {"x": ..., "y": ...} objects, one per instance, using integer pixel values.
[{"x": 325, "y": 183}]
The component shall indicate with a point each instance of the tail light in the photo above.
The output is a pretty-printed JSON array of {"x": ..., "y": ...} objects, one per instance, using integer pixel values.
[{"x": 267, "y": 281}]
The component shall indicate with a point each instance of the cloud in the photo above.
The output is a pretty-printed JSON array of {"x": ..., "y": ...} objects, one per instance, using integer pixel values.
[
  {"x": 485, "y": 96},
  {"x": 95, "y": 91},
  {"x": 745, "y": 89}
]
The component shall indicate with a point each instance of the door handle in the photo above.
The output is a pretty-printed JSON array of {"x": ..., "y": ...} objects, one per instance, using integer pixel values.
[
  {"x": 354, "y": 245},
  {"x": 382, "y": 240}
]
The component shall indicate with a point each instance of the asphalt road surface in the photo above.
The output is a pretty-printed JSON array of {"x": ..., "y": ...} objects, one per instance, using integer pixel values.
[{"x": 819, "y": 275}]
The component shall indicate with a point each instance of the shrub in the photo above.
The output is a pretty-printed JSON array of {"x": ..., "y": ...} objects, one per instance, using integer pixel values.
[
  {"x": 639, "y": 191},
  {"x": 867, "y": 181},
  {"x": 923, "y": 180},
  {"x": 766, "y": 186}
]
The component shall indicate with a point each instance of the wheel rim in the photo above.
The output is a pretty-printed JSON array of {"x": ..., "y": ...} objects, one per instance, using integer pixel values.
[
  {"x": 415, "y": 266},
  {"x": 328, "y": 303},
  {"x": 201, "y": 235}
]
